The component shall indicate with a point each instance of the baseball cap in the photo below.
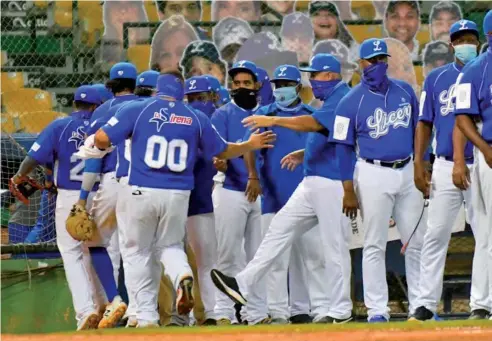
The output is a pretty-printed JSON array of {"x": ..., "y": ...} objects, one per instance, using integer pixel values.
[
  {"x": 148, "y": 79},
  {"x": 170, "y": 85},
  {"x": 323, "y": 62},
  {"x": 262, "y": 75},
  {"x": 296, "y": 24},
  {"x": 373, "y": 47},
  {"x": 197, "y": 84},
  {"x": 463, "y": 26},
  {"x": 337, "y": 49},
  {"x": 123, "y": 70},
  {"x": 446, "y": 6},
  {"x": 437, "y": 50},
  {"x": 230, "y": 31},
  {"x": 213, "y": 82},
  {"x": 487, "y": 23},
  {"x": 316, "y": 6},
  {"x": 224, "y": 96},
  {"x": 286, "y": 72},
  {"x": 87, "y": 94},
  {"x": 104, "y": 92},
  {"x": 244, "y": 66},
  {"x": 200, "y": 48}
]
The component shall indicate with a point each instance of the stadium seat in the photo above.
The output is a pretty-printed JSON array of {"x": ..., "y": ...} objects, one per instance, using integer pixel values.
[
  {"x": 35, "y": 122},
  {"x": 12, "y": 81},
  {"x": 151, "y": 10},
  {"x": 363, "y": 32},
  {"x": 423, "y": 35},
  {"x": 364, "y": 9},
  {"x": 62, "y": 17},
  {"x": 419, "y": 73},
  {"x": 41, "y": 3},
  {"x": 140, "y": 56},
  {"x": 66, "y": 5},
  {"x": 3, "y": 58},
  {"x": 26, "y": 100},
  {"x": 90, "y": 16},
  {"x": 10, "y": 123}
]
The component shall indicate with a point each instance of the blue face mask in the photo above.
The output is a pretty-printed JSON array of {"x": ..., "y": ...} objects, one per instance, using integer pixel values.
[
  {"x": 375, "y": 77},
  {"x": 206, "y": 107},
  {"x": 322, "y": 89},
  {"x": 465, "y": 52},
  {"x": 285, "y": 96}
]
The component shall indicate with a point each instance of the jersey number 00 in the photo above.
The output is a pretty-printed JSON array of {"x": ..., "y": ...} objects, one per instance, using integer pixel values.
[{"x": 166, "y": 155}]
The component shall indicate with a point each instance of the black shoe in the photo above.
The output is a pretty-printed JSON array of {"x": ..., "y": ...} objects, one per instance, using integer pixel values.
[
  {"x": 209, "y": 322},
  {"x": 228, "y": 285},
  {"x": 423, "y": 314},
  {"x": 479, "y": 314},
  {"x": 342, "y": 321},
  {"x": 301, "y": 319}
]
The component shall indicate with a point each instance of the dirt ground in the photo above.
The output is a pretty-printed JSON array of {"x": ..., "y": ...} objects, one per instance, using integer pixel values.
[{"x": 448, "y": 334}]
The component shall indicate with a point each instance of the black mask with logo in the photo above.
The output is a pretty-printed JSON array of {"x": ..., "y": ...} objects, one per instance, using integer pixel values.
[{"x": 245, "y": 98}]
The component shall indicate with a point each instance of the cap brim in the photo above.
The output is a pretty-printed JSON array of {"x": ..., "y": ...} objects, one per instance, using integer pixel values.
[
  {"x": 285, "y": 79},
  {"x": 376, "y": 54},
  {"x": 307, "y": 69},
  {"x": 197, "y": 91},
  {"x": 464, "y": 31},
  {"x": 235, "y": 70}
]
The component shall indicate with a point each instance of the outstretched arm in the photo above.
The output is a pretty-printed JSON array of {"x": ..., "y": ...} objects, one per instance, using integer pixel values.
[{"x": 305, "y": 123}]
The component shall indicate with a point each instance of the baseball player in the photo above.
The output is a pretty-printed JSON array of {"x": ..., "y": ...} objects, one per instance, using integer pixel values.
[
  {"x": 57, "y": 144},
  {"x": 277, "y": 185},
  {"x": 104, "y": 92},
  {"x": 474, "y": 119},
  {"x": 317, "y": 200},
  {"x": 436, "y": 103},
  {"x": 160, "y": 179},
  {"x": 224, "y": 97},
  {"x": 265, "y": 92},
  {"x": 379, "y": 115},
  {"x": 237, "y": 216}
]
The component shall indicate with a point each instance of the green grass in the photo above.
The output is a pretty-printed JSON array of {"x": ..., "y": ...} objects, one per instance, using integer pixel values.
[{"x": 400, "y": 326}]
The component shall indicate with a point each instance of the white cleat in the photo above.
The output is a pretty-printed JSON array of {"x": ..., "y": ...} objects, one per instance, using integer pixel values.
[{"x": 113, "y": 314}]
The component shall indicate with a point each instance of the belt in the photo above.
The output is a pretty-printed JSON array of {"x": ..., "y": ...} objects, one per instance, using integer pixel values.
[{"x": 395, "y": 164}]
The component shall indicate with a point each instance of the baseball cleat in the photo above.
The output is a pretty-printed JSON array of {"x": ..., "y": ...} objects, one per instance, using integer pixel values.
[
  {"x": 378, "y": 319},
  {"x": 209, "y": 322},
  {"x": 113, "y": 314},
  {"x": 342, "y": 321},
  {"x": 89, "y": 322},
  {"x": 184, "y": 300},
  {"x": 479, "y": 314},
  {"x": 131, "y": 322},
  {"x": 301, "y": 319},
  {"x": 228, "y": 285},
  {"x": 224, "y": 322},
  {"x": 423, "y": 314},
  {"x": 279, "y": 321}
]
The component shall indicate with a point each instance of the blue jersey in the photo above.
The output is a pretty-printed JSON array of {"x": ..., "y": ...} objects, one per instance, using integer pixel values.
[
  {"x": 227, "y": 120},
  {"x": 382, "y": 126},
  {"x": 278, "y": 184},
  {"x": 320, "y": 155},
  {"x": 474, "y": 92},
  {"x": 165, "y": 138},
  {"x": 101, "y": 115},
  {"x": 437, "y": 107},
  {"x": 57, "y": 143}
]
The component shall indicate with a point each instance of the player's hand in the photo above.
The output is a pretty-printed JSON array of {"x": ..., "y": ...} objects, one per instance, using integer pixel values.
[
  {"x": 253, "y": 189},
  {"x": 220, "y": 165},
  {"x": 292, "y": 160},
  {"x": 350, "y": 204},
  {"x": 260, "y": 121},
  {"x": 461, "y": 175},
  {"x": 422, "y": 178},
  {"x": 259, "y": 140},
  {"x": 50, "y": 187}
]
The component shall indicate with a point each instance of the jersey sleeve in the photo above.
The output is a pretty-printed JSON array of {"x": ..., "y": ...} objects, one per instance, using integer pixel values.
[
  {"x": 467, "y": 101},
  {"x": 426, "y": 108},
  {"x": 120, "y": 126},
  {"x": 219, "y": 121},
  {"x": 44, "y": 148},
  {"x": 343, "y": 128},
  {"x": 324, "y": 117},
  {"x": 210, "y": 143}
]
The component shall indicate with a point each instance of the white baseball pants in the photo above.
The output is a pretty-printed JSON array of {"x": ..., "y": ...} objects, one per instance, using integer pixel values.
[
  {"x": 237, "y": 220},
  {"x": 385, "y": 192},
  {"x": 316, "y": 200},
  {"x": 155, "y": 227}
]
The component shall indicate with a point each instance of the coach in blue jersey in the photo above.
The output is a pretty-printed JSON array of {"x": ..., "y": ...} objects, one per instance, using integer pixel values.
[
  {"x": 474, "y": 119},
  {"x": 317, "y": 200},
  {"x": 237, "y": 219},
  {"x": 437, "y": 106},
  {"x": 379, "y": 116},
  {"x": 56, "y": 144}
]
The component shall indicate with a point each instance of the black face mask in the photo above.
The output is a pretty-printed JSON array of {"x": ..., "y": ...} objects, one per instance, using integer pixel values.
[{"x": 245, "y": 98}]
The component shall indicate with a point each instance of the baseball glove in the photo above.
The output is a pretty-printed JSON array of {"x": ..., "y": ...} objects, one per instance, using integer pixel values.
[
  {"x": 24, "y": 189},
  {"x": 80, "y": 224}
]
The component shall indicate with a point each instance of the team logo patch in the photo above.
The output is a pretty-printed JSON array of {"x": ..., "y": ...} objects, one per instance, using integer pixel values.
[
  {"x": 162, "y": 117},
  {"x": 446, "y": 99},
  {"x": 381, "y": 121},
  {"x": 78, "y": 137}
]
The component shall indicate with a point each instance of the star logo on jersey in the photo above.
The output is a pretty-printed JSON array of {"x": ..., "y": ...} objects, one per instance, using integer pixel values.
[
  {"x": 78, "y": 137},
  {"x": 381, "y": 121},
  {"x": 446, "y": 99},
  {"x": 160, "y": 118}
]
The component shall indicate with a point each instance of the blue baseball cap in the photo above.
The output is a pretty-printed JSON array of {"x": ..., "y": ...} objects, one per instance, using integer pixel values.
[
  {"x": 286, "y": 72},
  {"x": 197, "y": 84},
  {"x": 373, "y": 47},
  {"x": 487, "y": 22},
  {"x": 87, "y": 94},
  {"x": 244, "y": 66},
  {"x": 104, "y": 92},
  {"x": 123, "y": 70},
  {"x": 323, "y": 62},
  {"x": 170, "y": 85},
  {"x": 213, "y": 82},
  {"x": 224, "y": 96},
  {"x": 463, "y": 26},
  {"x": 262, "y": 75},
  {"x": 148, "y": 79}
]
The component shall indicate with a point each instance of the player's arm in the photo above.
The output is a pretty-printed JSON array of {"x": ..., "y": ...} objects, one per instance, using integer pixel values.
[
  {"x": 253, "y": 187},
  {"x": 461, "y": 173},
  {"x": 304, "y": 123},
  {"x": 118, "y": 128},
  {"x": 293, "y": 159}
]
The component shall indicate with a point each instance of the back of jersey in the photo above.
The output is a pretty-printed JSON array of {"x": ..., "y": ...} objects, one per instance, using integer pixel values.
[{"x": 164, "y": 146}]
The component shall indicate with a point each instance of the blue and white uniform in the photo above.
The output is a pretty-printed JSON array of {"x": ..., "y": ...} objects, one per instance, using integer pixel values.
[
  {"x": 446, "y": 200},
  {"x": 316, "y": 201},
  {"x": 379, "y": 117},
  {"x": 474, "y": 98},
  {"x": 166, "y": 137},
  {"x": 57, "y": 144}
]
